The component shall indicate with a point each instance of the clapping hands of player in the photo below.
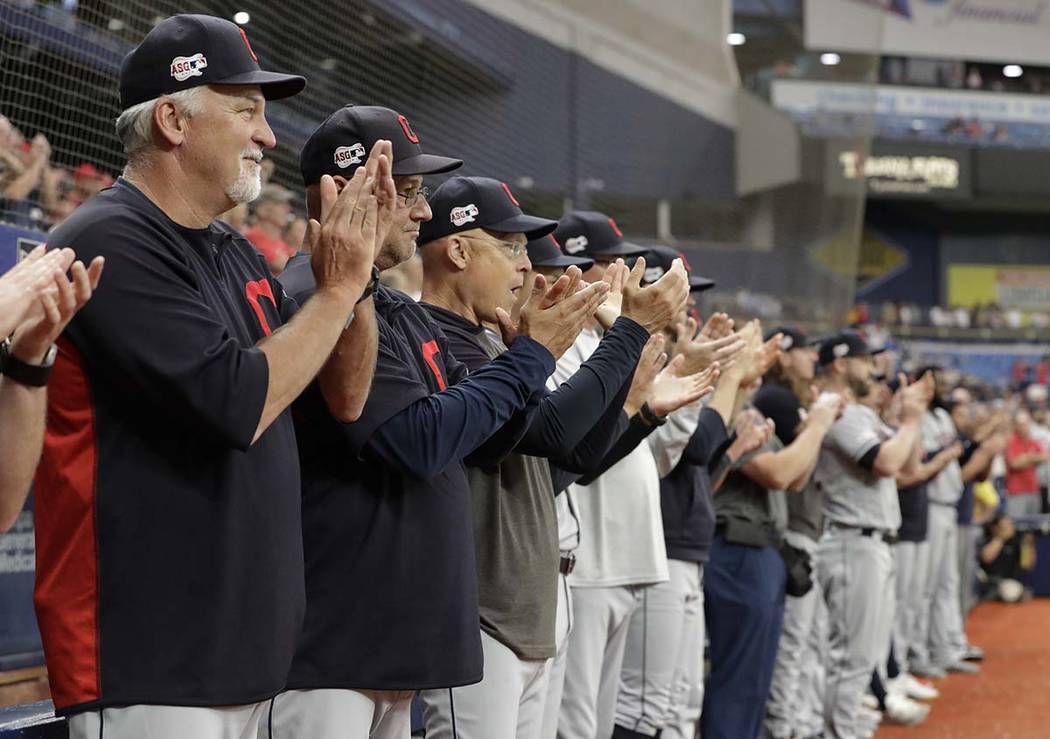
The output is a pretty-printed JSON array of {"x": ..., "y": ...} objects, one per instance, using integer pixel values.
[
  {"x": 22, "y": 285},
  {"x": 656, "y": 305},
  {"x": 353, "y": 226},
  {"x": 554, "y": 317},
  {"x": 44, "y": 299},
  {"x": 752, "y": 430}
]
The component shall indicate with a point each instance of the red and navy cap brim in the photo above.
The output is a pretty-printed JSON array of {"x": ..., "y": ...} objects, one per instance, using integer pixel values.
[
  {"x": 425, "y": 164},
  {"x": 274, "y": 85}
]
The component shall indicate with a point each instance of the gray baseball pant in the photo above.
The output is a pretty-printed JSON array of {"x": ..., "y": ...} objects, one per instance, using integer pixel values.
[
  {"x": 969, "y": 535},
  {"x": 856, "y": 574},
  {"x": 601, "y": 617},
  {"x": 556, "y": 681},
  {"x": 947, "y": 641},
  {"x": 663, "y": 659},
  {"x": 506, "y": 704},
  {"x": 337, "y": 714},
  {"x": 910, "y": 601},
  {"x": 796, "y": 694},
  {"x": 919, "y": 657},
  {"x": 169, "y": 722}
]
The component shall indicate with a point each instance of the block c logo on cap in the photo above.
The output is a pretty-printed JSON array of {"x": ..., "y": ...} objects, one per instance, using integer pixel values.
[
  {"x": 840, "y": 350},
  {"x": 576, "y": 244},
  {"x": 184, "y": 67},
  {"x": 464, "y": 214},
  {"x": 652, "y": 274},
  {"x": 409, "y": 133},
  {"x": 347, "y": 155}
]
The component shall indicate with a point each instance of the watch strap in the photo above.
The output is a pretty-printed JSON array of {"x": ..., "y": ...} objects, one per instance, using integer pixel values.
[{"x": 31, "y": 375}]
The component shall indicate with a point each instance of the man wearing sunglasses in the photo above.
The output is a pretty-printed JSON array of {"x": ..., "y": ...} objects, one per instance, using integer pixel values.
[{"x": 390, "y": 577}]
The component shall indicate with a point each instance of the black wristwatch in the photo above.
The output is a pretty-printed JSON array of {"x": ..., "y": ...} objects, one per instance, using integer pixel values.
[
  {"x": 371, "y": 286},
  {"x": 649, "y": 416},
  {"x": 31, "y": 375}
]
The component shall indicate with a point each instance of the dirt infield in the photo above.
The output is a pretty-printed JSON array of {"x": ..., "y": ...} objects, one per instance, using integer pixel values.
[{"x": 1010, "y": 699}]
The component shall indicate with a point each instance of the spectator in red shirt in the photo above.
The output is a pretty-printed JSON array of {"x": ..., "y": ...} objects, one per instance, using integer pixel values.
[
  {"x": 1023, "y": 455},
  {"x": 273, "y": 210}
]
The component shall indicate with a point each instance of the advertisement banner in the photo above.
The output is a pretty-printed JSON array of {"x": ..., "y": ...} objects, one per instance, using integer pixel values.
[
  {"x": 1010, "y": 286},
  {"x": 988, "y": 30},
  {"x": 804, "y": 98},
  {"x": 899, "y": 171}
]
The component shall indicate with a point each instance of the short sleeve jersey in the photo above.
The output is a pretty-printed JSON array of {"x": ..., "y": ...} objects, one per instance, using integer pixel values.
[
  {"x": 853, "y": 495},
  {"x": 169, "y": 550}
]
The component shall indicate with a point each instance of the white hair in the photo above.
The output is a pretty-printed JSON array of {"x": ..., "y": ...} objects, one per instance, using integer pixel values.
[{"x": 135, "y": 125}]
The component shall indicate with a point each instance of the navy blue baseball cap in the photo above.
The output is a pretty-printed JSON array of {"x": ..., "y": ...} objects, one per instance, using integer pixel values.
[
  {"x": 658, "y": 261},
  {"x": 843, "y": 344},
  {"x": 466, "y": 203},
  {"x": 343, "y": 141},
  {"x": 186, "y": 51},
  {"x": 546, "y": 252},
  {"x": 791, "y": 337},
  {"x": 588, "y": 233}
]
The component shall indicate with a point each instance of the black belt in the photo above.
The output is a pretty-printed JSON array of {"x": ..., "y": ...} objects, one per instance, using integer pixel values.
[
  {"x": 869, "y": 531},
  {"x": 567, "y": 564}
]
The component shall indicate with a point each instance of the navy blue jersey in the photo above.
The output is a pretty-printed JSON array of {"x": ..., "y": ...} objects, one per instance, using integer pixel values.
[
  {"x": 392, "y": 594},
  {"x": 685, "y": 494},
  {"x": 169, "y": 550},
  {"x": 915, "y": 512}
]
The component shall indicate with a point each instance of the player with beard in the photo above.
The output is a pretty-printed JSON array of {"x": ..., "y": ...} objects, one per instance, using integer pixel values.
[
  {"x": 855, "y": 471},
  {"x": 169, "y": 551}
]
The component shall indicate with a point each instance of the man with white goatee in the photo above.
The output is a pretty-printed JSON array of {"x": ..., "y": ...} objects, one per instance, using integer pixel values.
[{"x": 169, "y": 550}]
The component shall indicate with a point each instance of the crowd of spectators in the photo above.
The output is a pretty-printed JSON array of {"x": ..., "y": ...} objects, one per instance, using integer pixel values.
[
  {"x": 900, "y": 314},
  {"x": 36, "y": 192}
]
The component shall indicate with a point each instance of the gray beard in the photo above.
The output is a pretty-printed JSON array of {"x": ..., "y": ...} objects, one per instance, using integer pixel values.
[{"x": 246, "y": 187}]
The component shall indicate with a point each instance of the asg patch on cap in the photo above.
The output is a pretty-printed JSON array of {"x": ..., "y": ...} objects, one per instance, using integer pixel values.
[
  {"x": 652, "y": 274},
  {"x": 575, "y": 245},
  {"x": 463, "y": 214},
  {"x": 184, "y": 67},
  {"x": 347, "y": 155}
]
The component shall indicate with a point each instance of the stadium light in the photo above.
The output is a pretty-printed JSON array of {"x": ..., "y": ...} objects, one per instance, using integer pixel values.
[
  {"x": 736, "y": 39},
  {"x": 1012, "y": 70},
  {"x": 241, "y": 18},
  {"x": 830, "y": 59}
]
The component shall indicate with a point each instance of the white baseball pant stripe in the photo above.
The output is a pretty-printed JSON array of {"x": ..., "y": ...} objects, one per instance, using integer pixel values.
[
  {"x": 338, "y": 714},
  {"x": 663, "y": 658},
  {"x": 856, "y": 574},
  {"x": 506, "y": 704},
  {"x": 169, "y": 722},
  {"x": 595, "y": 657},
  {"x": 796, "y": 695}
]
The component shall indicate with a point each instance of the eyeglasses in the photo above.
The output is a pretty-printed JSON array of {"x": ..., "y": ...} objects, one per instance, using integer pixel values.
[
  {"x": 412, "y": 196},
  {"x": 516, "y": 249}
]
